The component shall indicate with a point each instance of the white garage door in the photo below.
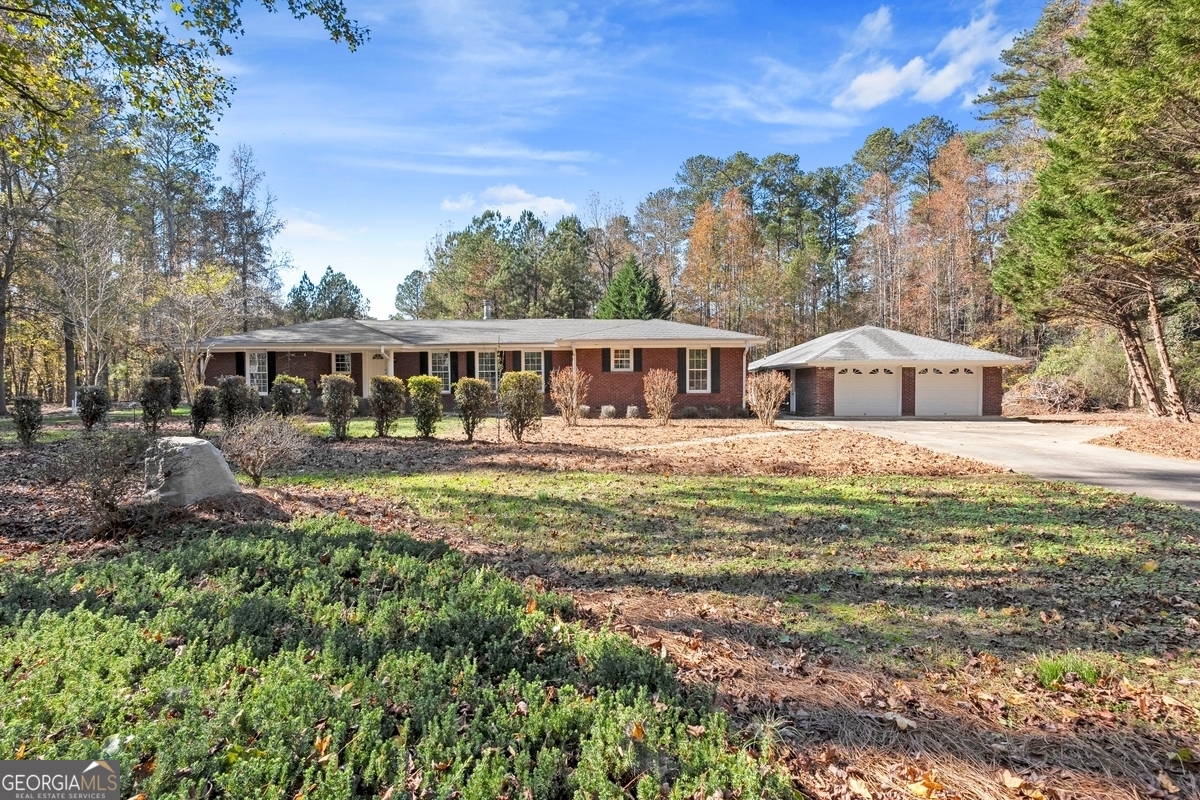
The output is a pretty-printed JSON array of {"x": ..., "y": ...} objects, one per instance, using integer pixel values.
[
  {"x": 866, "y": 392},
  {"x": 949, "y": 391}
]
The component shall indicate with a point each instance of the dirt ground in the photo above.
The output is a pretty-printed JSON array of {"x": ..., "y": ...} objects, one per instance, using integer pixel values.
[{"x": 1140, "y": 433}]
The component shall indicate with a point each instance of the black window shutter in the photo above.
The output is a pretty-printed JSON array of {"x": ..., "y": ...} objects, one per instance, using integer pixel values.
[
  {"x": 683, "y": 370},
  {"x": 637, "y": 359},
  {"x": 470, "y": 363},
  {"x": 516, "y": 361},
  {"x": 239, "y": 364},
  {"x": 423, "y": 363},
  {"x": 547, "y": 367},
  {"x": 605, "y": 360},
  {"x": 270, "y": 368},
  {"x": 714, "y": 370},
  {"x": 453, "y": 366}
]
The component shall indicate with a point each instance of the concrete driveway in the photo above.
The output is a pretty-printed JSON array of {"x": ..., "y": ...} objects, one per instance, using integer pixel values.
[{"x": 1049, "y": 450}]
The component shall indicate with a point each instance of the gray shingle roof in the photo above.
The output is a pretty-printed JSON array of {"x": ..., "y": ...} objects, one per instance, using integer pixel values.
[
  {"x": 870, "y": 343},
  {"x": 477, "y": 333}
]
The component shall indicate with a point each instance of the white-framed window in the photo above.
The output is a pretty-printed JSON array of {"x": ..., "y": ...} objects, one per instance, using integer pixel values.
[
  {"x": 622, "y": 359},
  {"x": 439, "y": 367},
  {"x": 532, "y": 361},
  {"x": 341, "y": 364},
  {"x": 697, "y": 373},
  {"x": 487, "y": 368},
  {"x": 256, "y": 372}
]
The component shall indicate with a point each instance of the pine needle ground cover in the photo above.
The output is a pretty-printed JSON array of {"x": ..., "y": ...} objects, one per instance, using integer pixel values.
[
  {"x": 323, "y": 660},
  {"x": 888, "y": 627}
]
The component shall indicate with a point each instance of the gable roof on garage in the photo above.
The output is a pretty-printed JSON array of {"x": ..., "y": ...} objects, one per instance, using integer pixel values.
[{"x": 880, "y": 345}]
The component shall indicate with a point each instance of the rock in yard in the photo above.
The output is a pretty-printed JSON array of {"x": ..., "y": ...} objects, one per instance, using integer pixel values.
[{"x": 181, "y": 470}]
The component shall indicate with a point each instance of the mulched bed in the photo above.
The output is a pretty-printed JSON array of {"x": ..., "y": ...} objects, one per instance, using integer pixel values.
[{"x": 1139, "y": 433}]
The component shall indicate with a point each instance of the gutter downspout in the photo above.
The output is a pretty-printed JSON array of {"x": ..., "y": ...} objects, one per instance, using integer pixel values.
[{"x": 745, "y": 355}]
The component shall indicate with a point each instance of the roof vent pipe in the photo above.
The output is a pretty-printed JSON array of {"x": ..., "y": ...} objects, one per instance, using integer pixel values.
[{"x": 487, "y": 309}]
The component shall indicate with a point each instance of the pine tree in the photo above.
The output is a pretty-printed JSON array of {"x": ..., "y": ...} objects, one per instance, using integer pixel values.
[{"x": 634, "y": 294}]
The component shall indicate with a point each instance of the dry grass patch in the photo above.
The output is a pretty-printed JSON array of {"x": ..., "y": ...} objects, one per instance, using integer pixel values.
[{"x": 1139, "y": 433}]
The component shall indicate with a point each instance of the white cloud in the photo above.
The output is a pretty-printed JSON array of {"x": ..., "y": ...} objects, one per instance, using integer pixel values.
[
  {"x": 464, "y": 202},
  {"x": 304, "y": 229},
  {"x": 510, "y": 200},
  {"x": 961, "y": 53},
  {"x": 519, "y": 153},
  {"x": 874, "y": 29}
]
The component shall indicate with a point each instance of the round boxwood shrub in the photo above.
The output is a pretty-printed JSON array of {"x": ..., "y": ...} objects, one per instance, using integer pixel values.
[
  {"x": 27, "y": 418},
  {"x": 93, "y": 403},
  {"x": 475, "y": 398},
  {"x": 425, "y": 394},
  {"x": 205, "y": 407},
  {"x": 289, "y": 395},
  {"x": 155, "y": 400},
  {"x": 387, "y": 402},
  {"x": 169, "y": 368},
  {"x": 235, "y": 400},
  {"x": 521, "y": 402},
  {"x": 337, "y": 395}
]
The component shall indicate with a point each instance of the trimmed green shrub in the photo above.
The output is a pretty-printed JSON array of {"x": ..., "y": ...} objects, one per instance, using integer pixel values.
[
  {"x": 475, "y": 398},
  {"x": 93, "y": 403},
  {"x": 521, "y": 402},
  {"x": 155, "y": 400},
  {"x": 169, "y": 368},
  {"x": 289, "y": 395},
  {"x": 689, "y": 412},
  {"x": 608, "y": 412},
  {"x": 205, "y": 408},
  {"x": 265, "y": 659},
  {"x": 425, "y": 396},
  {"x": 387, "y": 402},
  {"x": 262, "y": 442},
  {"x": 27, "y": 418},
  {"x": 235, "y": 400},
  {"x": 337, "y": 395}
]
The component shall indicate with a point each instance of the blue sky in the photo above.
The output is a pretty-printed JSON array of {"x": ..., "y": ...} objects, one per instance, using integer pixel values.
[{"x": 455, "y": 106}]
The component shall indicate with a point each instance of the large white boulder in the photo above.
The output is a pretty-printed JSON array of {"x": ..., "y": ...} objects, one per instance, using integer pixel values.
[{"x": 181, "y": 470}]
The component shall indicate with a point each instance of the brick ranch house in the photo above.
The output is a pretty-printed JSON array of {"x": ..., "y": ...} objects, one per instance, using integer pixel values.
[
  {"x": 710, "y": 363},
  {"x": 875, "y": 372}
]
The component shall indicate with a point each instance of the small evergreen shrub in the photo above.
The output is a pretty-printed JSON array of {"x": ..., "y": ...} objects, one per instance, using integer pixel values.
[
  {"x": 27, "y": 418},
  {"x": 585, "y": 411},
  {"x": 262, "y": 442},
  {"x": 155, "y": 400},
  {"x": 608, "y": 412},
  {"x": 659, "y": 386},
  {"x": 93, "y": 403},
  {"x": 474, "y": 398},
  {"x": 235, "y": 400},
  {"x": 521, "y": 402},
  {"x": 689, "y": 412},
  {"x": 289, "y": 395},
  {"x": 387, "y": 402},
  {"x": 205, "y": 407},
  {"x": 169, "y": 368},
  {"x": 632, "y": 412},
  {"x": 337, "y": 395},
  {"x": 713, "y": 412},
  {"x": 425, "y": 396}
]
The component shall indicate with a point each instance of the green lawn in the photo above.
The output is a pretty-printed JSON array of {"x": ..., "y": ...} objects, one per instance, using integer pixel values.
[
  {"x": 904, "y": 574},
  {"x": 324, "y": 661}
]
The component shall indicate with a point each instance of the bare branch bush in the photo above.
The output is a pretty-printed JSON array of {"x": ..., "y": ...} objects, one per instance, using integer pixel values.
[
  {"x": 660, "y": 386},
  {"x": 569, "y": 391},
  {"x": 766, "y": 392},
  {"x": 262, "y": 442}
]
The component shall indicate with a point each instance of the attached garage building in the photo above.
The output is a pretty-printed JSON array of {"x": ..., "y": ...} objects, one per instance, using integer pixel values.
[{"x": 875, "y": 372}]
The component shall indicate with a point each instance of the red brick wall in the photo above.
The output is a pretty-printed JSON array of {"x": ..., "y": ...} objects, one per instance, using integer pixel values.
[
  {"x": 823, "y": 399},
  {"x": 993, "y": 391},
  {"x": 310, "y": 366},
  {"x": 908, "y": 391},
  {"x": 220, "y": 365},
  {"x": 623, "y": 389}
]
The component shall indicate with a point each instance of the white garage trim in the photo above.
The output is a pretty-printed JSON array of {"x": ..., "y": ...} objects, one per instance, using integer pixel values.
[
  {"x": 949, "y": 390},
  {"x": 866, "y": 390}
]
